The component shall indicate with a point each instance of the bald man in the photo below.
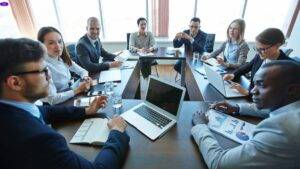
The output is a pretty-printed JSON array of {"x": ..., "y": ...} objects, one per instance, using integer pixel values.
[
  {"x": 90, "y": 52},
  {"x": 276, "y": 140}
]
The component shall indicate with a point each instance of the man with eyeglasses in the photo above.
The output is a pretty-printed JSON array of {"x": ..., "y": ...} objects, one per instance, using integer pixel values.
[
  {"x": 26, "y": 140},
  {"x": 276, "y": 140},
  {"x": 193, "y": 39}
]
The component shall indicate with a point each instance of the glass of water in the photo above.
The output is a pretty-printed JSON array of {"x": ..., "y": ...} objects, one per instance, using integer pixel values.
[
  {"x": 196, "y": 55},
  {"x": 117, "y": 101},
  {"x": 109, "y": 88}
]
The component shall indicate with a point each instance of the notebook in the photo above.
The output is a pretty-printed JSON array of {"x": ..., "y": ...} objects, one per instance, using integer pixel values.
[
  {"x": 160, "y": 111},
  {"x": 92, "y": 131},
  {"x": 83, "y": 102},
  {"x": 111, "y": 75},
  {"x": 230, "y": 127},
  {"x": 145, "y": 54}
]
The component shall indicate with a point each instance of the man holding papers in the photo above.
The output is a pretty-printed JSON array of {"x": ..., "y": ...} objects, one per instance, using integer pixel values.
[
  {"x": 27, "y": 141},
  {"x": 276, "y": 140}
]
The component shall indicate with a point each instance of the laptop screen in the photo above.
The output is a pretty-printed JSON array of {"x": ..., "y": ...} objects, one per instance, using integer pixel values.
[{"x": 164, "y": 96}]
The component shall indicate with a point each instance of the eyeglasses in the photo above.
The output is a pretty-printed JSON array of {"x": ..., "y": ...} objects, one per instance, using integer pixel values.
[
  {"x": 45, "y": 70},
  {"x": 260, "y": 50},
  {"x": 196, "y": 27}
]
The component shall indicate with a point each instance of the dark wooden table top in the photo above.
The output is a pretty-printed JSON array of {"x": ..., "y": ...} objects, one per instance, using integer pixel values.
[{"x": 175, "y": 149}]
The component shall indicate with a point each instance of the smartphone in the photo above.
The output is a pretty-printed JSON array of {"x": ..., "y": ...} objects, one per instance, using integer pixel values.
[
  {"x": 94, "y": 93},
  {"x": 229, "y": 82}
]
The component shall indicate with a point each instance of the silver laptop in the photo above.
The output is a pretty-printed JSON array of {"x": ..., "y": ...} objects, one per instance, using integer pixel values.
[
  {"x": 216, "y": 79},
  {"x": 160, "y": 111}
]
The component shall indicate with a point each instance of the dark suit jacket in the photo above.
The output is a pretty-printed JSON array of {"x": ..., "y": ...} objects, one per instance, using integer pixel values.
[
  {"x": 198, "y": 44},
  {"x": 26, "y": 143},
  {"x": 89, "y": 58},
  {"x": 253, "y": 66}
]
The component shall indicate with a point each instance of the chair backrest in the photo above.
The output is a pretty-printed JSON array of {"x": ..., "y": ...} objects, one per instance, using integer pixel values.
[
  {"x": 127, "y": 40},
  {"x": 287, "y": 51},
  {"x": 210, "y": 41},
  {"x": 72, "y": 52}
]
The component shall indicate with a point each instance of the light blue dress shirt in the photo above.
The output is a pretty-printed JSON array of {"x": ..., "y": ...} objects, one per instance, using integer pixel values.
[
  {"x": 59, "y": 89},
  {"x": 275, "y": 143},
  {"x": 231, "y": 52},
  {"x": 29, "y": 107}
]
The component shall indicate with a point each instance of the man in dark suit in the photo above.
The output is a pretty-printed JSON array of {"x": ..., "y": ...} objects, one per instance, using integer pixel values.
[
  {"x": 193, "y": 39},
  {"x": 90, "y": 52},
  {"x": 26, "y": 141}
]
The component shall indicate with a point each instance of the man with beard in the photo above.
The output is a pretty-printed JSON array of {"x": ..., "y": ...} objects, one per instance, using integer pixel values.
[{"x": 26, "y": 140}]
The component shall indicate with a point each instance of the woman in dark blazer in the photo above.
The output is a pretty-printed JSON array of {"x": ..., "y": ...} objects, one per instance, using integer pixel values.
[{"x": 267, "y": 45}]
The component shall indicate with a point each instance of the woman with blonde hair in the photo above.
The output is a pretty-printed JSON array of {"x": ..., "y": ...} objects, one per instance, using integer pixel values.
[{"x": 234, "y": 49}]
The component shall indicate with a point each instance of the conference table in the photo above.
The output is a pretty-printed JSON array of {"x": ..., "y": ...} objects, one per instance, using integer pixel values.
[{"x": 176, "y": 148}]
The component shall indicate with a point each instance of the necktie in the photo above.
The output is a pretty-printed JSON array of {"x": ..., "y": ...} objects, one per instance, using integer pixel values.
[{"x": 97, "y": 47}]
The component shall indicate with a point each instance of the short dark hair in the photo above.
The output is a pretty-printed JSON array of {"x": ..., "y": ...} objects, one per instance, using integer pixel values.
[
  {"x": 289, "y": 70},
  {"x": 140, "y": 19},
  {"x": 14, "y": 53},
  {"x": 65, "y": 56},
  {"x": 271, "y": 36},
  {"x": 195, "y": 19}
]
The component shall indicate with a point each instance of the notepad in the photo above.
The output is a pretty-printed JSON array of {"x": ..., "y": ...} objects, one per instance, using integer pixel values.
[
  {"x": 111, "y": 75},
  {"x": 83, "y": 102},
  {"x": 145, "y": 54},
  {"x": 212, "y": 62},
  {"x": 230, "y": 127},
  {"x": 92, "y": 131}
]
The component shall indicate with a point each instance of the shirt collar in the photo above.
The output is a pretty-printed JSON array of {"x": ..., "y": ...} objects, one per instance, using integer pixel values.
[
  {"x": 291, "y": 106},
  {"x": 29, "y": 107},
  {"x": 146, "y": 34},
  {"x": 52, "y": 59},
  {"x": 92, "y": 40}
]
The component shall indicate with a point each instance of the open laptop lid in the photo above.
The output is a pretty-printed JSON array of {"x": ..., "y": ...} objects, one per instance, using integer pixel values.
[
  {"x": 215, "y": 79},
  {"x": 165, "y": 95}
]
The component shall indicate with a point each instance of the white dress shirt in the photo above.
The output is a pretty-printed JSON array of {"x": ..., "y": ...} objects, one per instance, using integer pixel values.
[{"x": 59, "y": 89}]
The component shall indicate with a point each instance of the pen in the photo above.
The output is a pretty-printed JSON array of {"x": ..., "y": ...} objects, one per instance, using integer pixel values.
[{"x": 242, "y": 126}]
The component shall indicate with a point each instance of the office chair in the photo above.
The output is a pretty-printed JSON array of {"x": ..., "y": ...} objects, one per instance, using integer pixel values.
[
  {"x": 287, "y": 51},
  {"x": 154, "y": 63},
  {"x": 72, "y": 52},
  {"x": 210, "y": 41}
]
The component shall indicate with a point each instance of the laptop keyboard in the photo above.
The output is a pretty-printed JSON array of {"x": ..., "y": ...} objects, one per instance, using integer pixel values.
[{"x": 152, "y": 116}]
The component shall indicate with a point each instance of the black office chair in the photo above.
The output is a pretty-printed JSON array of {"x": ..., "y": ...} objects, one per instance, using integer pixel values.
[
  {"x": 210, "y": 41},
  {"x": 287, "y": 51},
  {"x": 154, "y": 63},
  {"x": 72, "y": 52}
]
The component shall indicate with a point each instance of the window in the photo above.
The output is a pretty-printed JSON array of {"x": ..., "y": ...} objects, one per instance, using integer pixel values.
[
  {"x": 44, "y": 16},
  {"x": 216, "y": 15},
  {"x": 119, "y": 17},
  {"x": 180, "y": 15},
  {"x": 73, "y": 17},
  {"x": 8, "y": 28},
  {"x": 264, "y": 14}
]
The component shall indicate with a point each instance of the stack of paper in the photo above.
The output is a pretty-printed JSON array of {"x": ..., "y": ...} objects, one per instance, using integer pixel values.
[{"x": 111, "y": 75}]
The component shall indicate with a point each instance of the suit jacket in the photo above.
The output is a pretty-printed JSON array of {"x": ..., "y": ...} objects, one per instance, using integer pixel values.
[
  {"x": 89, "y": 57},
  {"x": 275, "y": 143},
  {"x": 198, "y": 44},
  {"x": 27, "y": 143},
  {"x": 253, "y": 66}
]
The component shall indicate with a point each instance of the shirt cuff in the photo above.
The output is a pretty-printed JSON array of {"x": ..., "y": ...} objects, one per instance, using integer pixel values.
[{"x": 199, "y": 131}]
